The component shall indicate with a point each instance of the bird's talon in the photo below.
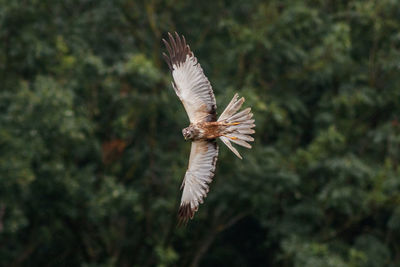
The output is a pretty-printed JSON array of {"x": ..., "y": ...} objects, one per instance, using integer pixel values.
[{"x": 231, "y": 137}]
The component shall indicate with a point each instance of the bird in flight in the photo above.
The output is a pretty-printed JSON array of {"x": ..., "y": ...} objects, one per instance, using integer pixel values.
[{"x": 196, "y": 94}]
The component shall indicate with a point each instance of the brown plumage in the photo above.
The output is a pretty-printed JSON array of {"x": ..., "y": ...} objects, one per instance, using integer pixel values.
[{"x": 195, "y": 91}]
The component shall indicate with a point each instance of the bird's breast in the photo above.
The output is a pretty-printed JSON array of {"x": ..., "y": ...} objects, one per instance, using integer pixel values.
[{"x": 208, "y": 130}]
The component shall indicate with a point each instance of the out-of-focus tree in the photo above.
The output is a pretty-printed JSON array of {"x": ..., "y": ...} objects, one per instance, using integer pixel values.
[{"x": 91, "y": 154}]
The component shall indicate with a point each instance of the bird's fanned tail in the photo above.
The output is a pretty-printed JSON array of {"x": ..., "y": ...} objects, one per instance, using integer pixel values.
[{"x": 238, "y": 125}]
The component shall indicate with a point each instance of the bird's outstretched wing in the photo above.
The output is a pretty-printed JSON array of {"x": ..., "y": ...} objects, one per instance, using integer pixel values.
[
  {"x": 203, "y": 158},
  {"x": 190, "y": 83}
]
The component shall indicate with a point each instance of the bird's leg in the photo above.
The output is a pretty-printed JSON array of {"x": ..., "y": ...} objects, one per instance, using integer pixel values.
[
  {"x": 227, "y": 132},
  {"x": 230, "y": 137},
  {"x": 231, "y": 123}
]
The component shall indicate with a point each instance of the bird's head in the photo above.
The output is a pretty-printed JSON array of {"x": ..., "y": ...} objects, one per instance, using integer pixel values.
[{"x": 188, "y": 133}]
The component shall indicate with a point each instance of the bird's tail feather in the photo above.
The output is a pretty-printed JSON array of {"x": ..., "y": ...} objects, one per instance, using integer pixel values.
[{"x": 238, "y": 125}]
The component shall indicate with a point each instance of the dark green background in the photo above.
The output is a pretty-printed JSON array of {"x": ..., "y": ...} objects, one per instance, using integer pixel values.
[{"x": 92, "y": 155}]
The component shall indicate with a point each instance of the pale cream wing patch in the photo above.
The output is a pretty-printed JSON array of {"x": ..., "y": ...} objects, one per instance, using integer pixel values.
[
  {"x": 202, "y": 162},
  {"x": 190, "y": 83}
]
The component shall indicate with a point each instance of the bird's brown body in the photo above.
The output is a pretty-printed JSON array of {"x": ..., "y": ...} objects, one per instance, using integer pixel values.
[{"x": 206, "y": 130}]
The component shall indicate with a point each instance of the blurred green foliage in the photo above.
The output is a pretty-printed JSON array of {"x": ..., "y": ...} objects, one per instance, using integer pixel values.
[{"x": 92, "y": 157}]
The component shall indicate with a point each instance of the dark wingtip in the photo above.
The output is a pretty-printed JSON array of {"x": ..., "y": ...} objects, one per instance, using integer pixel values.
[
  {"x": 185, "y": 213},
  {"x": 184, "y": 41},
  {"x": 172, "y": 42},
  {"x": 177, "y": 49},
  {"x": 166, "y": 58}
]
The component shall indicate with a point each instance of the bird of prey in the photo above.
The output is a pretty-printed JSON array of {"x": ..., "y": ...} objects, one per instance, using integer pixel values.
[{"x": 195, "y": 91}]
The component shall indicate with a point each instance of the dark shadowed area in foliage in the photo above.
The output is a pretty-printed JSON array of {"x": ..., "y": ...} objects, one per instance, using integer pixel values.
[{"x": 92, "y": 155}]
